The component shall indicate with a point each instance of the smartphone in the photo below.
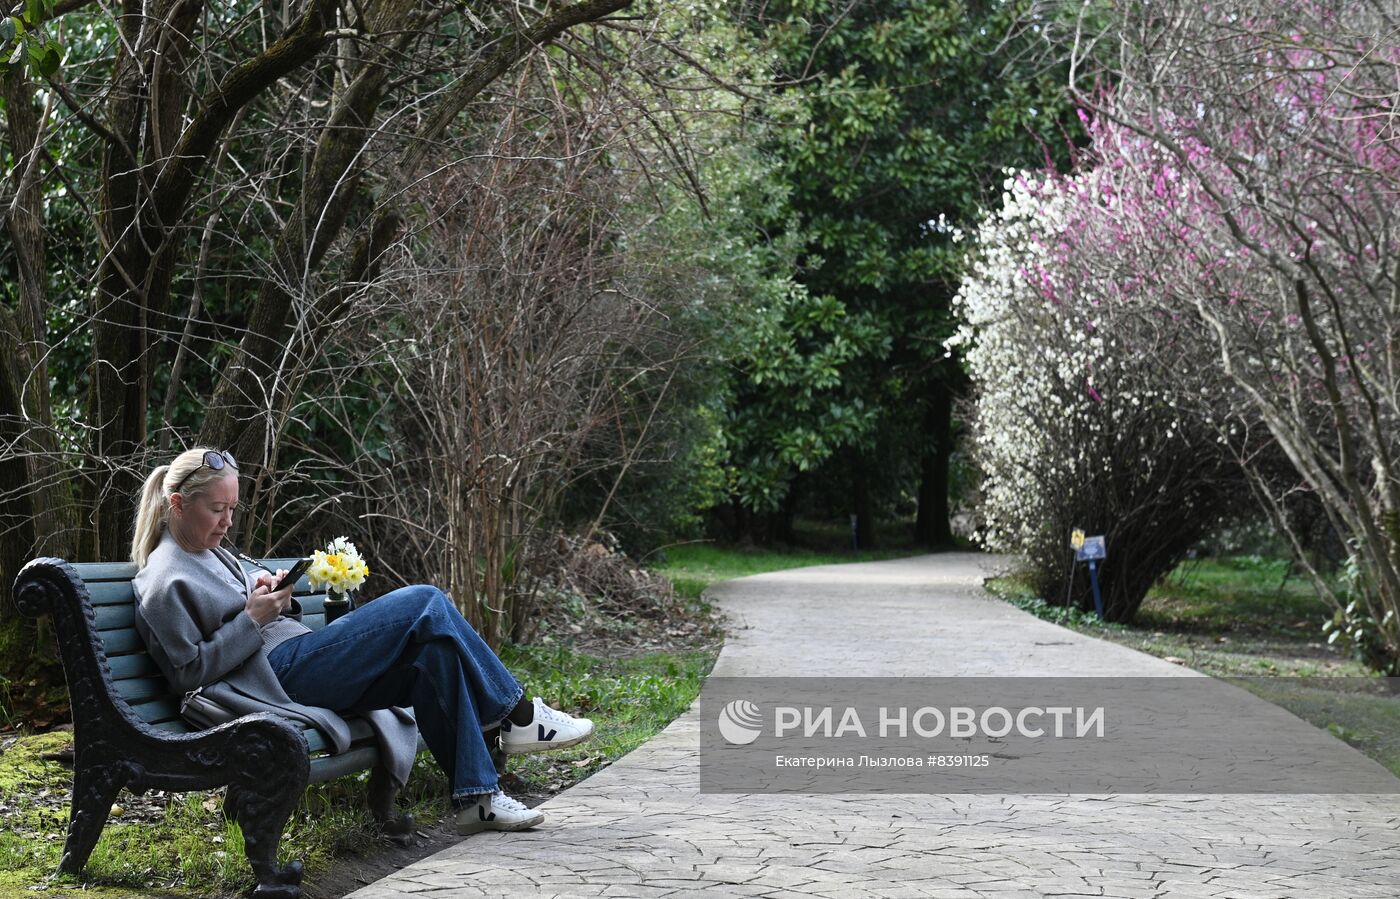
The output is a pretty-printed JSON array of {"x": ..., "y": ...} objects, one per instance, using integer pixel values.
[{"x": 291, "y": 576}]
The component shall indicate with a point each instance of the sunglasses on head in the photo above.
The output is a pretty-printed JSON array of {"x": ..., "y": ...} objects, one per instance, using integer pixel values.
[{"x": 212, "y": 460}]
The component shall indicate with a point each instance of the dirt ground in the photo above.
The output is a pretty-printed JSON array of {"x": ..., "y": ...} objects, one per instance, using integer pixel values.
[{"x": 354, "y": 871}]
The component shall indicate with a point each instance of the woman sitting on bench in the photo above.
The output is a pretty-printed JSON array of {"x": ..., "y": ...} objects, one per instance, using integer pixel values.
[{"x": 231, "y": 639}]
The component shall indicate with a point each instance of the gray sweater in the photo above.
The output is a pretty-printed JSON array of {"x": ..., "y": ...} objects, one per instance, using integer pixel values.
[{"x": 190, "y": 612}]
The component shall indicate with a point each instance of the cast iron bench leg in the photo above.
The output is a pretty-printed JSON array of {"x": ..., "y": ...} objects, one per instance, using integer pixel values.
[
  {"x": 268, "y": 776},
  {"x": 95, "y": 788}
]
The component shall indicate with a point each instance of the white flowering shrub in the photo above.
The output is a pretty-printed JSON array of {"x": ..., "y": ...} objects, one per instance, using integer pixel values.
[
  {"x": 1082, "y": 391},
  {"x": 1213, "y": 296}
]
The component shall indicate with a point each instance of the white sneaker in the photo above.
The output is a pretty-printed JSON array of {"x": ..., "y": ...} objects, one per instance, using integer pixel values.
[
  {"x": 496, "y": 811},
  {"x": 551, "y": 729}
]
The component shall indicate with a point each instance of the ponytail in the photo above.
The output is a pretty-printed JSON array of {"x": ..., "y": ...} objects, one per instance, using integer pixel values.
[{"x": 150, "y": 517}]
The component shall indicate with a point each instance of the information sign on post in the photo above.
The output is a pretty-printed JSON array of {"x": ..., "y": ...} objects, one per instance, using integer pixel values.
[{"x": 1092, "y": 550}]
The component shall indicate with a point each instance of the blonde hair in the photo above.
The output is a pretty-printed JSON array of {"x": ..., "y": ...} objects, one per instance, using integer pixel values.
[{"x": 153, "y": 509}]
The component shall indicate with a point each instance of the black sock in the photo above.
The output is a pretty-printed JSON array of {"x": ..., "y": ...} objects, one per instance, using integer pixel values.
[{"x": 523, "y": 713}]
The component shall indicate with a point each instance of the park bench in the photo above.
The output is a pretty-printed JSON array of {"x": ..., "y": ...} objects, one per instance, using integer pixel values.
[{"x": 127, "y": 729}]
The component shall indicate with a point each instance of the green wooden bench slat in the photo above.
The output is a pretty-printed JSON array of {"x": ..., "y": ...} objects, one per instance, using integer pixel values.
[
  {"x": 173, "y": 725},
  {"x": 110, "y": 593},
  {"x": 116, "y": 618},
  {"x": 111, "y": 618},
  {"x": 120, "y": 641},
  {"x": 359, "y": 729},
  {"x": 315, "y": 742},
  {"x": 329, "y": 767},
  {"x": 136, "y": 689},
  {"x": 360, "y": 732},
  {"x": 92, "y": 572},
  {"x": 118, "y": 593},
  {"x": 138, "y": 664},
  {"x": 312, "y": 603},
  {"x": 163, "y": 708},
  {"x": 98, "y": 572}
]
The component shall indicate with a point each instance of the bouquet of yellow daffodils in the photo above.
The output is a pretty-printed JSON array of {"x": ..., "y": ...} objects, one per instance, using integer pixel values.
[{"x": 338, "y": 568}]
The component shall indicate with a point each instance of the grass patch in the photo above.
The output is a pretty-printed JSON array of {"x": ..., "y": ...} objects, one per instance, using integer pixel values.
[
  {"x": 693, "y": 567},
  {"x": 1249, "y": 618},
  {"x": 176, "y": 845},
  {"x": 629, "y": 700},
  {"x": 1360, "y": 711},
  {"x": 1223, "y": 617},
  {"x": 1076, "y": 618}
]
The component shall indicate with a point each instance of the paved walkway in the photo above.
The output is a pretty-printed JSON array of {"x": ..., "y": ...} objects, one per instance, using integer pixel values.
[{"x": 641, "y": 828}]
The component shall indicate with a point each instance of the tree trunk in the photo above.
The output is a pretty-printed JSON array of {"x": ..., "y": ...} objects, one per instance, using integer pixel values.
[
  {"x": 931, "y": 528},
  {"x": 16, "y": 509},
  {"x": 117, "y": 383},
  {"x": 864, "y": 509},
  {"x": 47, "y": 500},
  {"x": 781, "y": 522},
  {"x": 145, "y": 202}
]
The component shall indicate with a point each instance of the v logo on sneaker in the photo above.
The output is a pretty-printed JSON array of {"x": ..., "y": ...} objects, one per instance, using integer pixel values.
[
  {"x": 546, "y": 737},
  {"x": 481, "y": 810}
]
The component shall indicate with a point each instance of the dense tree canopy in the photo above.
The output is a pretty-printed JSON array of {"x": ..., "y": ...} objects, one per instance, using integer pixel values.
[{"x": 905, "y": 115}]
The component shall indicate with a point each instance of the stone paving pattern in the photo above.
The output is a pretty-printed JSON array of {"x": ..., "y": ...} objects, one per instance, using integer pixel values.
[{"x": 640, "y": 828}]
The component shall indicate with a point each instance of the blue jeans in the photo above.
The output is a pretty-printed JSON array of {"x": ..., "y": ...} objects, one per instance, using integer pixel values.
[{"x": 409, "y": 647}]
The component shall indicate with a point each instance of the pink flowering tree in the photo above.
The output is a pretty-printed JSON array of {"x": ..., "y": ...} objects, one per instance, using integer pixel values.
[
  {"x": 1261, "y": 141},
  {"x": 1237, "y": 206}
]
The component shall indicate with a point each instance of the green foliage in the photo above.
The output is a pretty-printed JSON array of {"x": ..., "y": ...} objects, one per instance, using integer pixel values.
[
  {"x": 1067, "y": 615},
  {"x": 795, "y": 356},
  {"x": 732, "y": 305},
  {"x": 1354, "y": 626},
  {"x": 899, "y": 119},
  {"x": 25, "y": 40}
]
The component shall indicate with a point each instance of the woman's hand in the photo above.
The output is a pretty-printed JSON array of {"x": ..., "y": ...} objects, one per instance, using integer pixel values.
[{"x": 264, "y": 605}]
